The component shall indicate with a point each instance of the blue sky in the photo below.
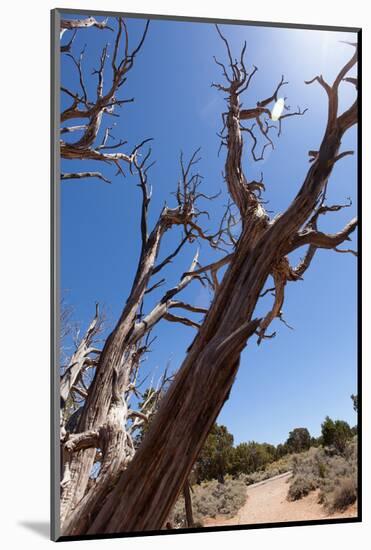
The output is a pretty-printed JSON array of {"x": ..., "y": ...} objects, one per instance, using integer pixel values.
[{"x": 302, "y": 375}]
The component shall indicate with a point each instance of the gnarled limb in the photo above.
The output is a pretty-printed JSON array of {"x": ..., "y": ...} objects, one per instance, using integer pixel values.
[
  {"x": 304, "y": 204},
  {"x": 188, "y": 307},
  {"x": 312, "y": 227},
  {"x": 183, "y": 320},
  {"x": 67, "y": 47},
  {"x": 71, "y": 24},
  {"x": 317, "y": 239},
  {"x": 346, "y": 251},
  {"x": 324, "y": 240},
  {"x": 161, "y": 310},
  {"x": 80, "y": 441},
  {"x": 276, "y": 311},
  {"x": 171, "y": 256},
  {"x": 83, "y": 175},
  {"x": 79, "y": 358},
  {"x": 104, "y": 103}
]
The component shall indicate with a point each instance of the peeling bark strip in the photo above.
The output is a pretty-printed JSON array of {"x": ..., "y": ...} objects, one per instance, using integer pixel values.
[
  {"x": 135, "y": 491},
  {"x": 113, "y": 356}
]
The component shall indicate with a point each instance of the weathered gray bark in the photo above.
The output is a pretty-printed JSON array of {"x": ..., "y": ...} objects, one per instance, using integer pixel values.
[
  {"x": 95, "y": 425},
  {"x": 79, "y": 358},
  {"x": 117, "y": 355},
  {"x": 101, "y": 423},
  {"x": 80, "y": 498}
]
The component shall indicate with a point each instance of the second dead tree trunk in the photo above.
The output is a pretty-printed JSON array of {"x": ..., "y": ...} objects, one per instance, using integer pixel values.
[
  {"x": 188, "y": 504},
  {"x": 103, "y": 425}
]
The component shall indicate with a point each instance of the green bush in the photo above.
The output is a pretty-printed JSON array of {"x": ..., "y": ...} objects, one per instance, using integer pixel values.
[
  {"x": 215, "y": 459},
  {"x": 336, "y": 433},
  {"x": 299, "y": 440}
]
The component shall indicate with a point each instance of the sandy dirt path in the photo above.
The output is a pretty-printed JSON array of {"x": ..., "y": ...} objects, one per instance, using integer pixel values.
[{"x": 267, "y": 503}]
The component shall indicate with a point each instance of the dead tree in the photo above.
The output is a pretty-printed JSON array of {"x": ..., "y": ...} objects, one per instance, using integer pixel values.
[
  {"x": 101, "y": 427},
  {"x": 146, "y": 490},
  {"x": 103, "y": 419}
]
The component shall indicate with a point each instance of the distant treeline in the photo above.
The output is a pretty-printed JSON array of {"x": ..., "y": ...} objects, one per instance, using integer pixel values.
[{"x": 220, "y": 457}]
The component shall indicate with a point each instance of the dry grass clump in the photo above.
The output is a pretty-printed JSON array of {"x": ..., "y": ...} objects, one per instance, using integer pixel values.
[
  {"x": 339, "y": 487},
  {"x": 300, "y": 488},
  {"x": 334, "y": 474},
  {"x": 344, "y": 495},
  {"x": 211, "y": 499}
]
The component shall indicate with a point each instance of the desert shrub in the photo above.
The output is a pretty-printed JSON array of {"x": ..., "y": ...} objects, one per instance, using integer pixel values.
[
  {"x": 301, "y": 487},
  {"x": 307, "y": 464},
  {"x": 340, "y": 469},
  {"x": 344, "y": 495},
  {"x": 321, "y": 470},
  {"x": 280, "y": 466},
  {"x": 254, "y": 477},
  {"x": 334, "y": 474},
  {"x": 350, "y": 453},
  {"x": 211, "y": 499}
]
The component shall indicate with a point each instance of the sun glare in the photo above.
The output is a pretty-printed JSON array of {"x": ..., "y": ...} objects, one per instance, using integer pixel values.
[{"x": 278, "y": 108}]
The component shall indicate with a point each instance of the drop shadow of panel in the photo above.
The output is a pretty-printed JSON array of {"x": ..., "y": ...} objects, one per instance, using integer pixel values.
[{"x": 41, "y": 528}]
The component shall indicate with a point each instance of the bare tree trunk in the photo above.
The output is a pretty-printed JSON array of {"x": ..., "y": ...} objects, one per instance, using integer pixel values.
[
  {"x": 99, "y": 398},
  {"x": 115, "y": 356},
  {"x": 96, "y": 428}
]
